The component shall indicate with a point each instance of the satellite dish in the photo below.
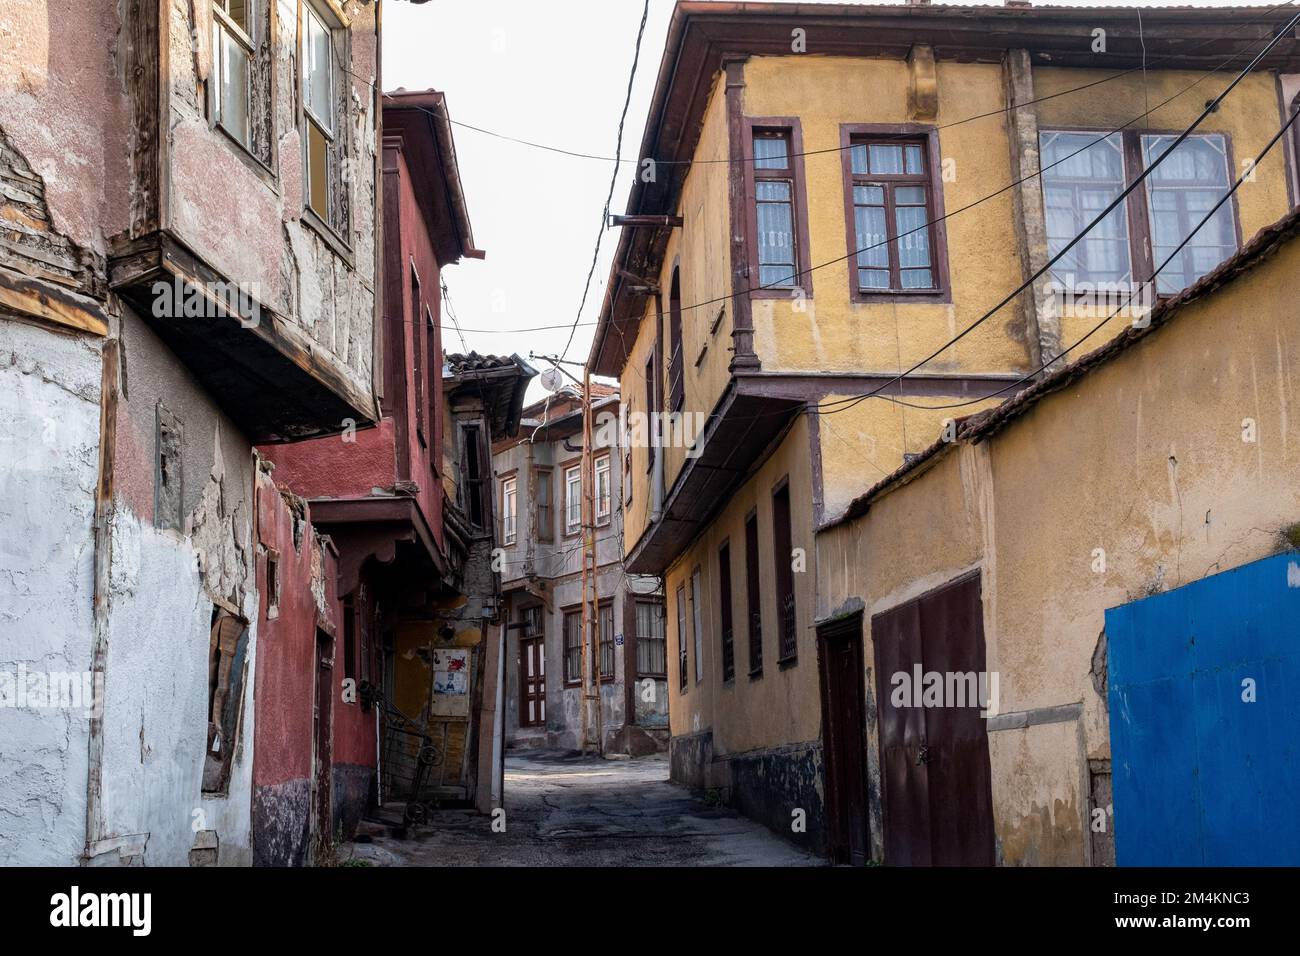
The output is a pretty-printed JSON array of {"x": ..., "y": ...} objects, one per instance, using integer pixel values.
[{"x": 552, "y": 380}]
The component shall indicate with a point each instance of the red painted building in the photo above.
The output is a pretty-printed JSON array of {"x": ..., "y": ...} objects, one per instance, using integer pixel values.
[{"x": 399, "y": 551}]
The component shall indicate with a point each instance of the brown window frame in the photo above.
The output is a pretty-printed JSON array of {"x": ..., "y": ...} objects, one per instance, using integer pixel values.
[
  {"x": 725, "y": 609},
  {"x": 651, "y": 407},
  {"x": 787, "y": 634},
  {"x": 676, "y": 345},
  {"x": 545, "y": 503},
  {"x": 753, "y": 595},
  {"x": 417, "y": 356},
  {"x": 659, "y": 607},
  {"x": 606, "y": 640},
  {"x": 572, "y": 612},
  {"x": 683, "y": 670},
  {"x": 897, "y": 134},
  {"x": 789, "y": 127},
  {"x": 525, "y": 634},
  {"x": 1136, "y": 207}
]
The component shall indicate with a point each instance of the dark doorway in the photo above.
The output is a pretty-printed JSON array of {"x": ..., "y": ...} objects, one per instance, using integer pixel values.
[
  {"x": 844, "y": 742},
  {"x": 934, "y": 760},
  {"x": 322, "y": 720}
]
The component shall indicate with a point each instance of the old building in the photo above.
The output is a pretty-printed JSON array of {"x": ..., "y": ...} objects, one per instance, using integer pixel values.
[
  {"x": 403, "y": 503},
  {"x": 187, "y": 271},
  {"x": 1142, "y": 635},
  {"x": 839, "y": 195},
  {"x": 539, "y": 489}
]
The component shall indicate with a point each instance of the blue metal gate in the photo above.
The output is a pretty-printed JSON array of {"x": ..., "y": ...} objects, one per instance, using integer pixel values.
[{"x": 1200, "y": 775}]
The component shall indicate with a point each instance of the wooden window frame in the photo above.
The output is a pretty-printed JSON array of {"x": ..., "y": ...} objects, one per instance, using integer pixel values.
[
  {"x": 418, "y": 356},
  {"x": 223, "y": 22},
  {"x": 791, "y": 128},
  {"x": 787, "y": 634},
  {"x": 726, "y": 635},
  {"x": 336, "y": 135},
  {"x": 683, "y": 665},
  {"x": 526, "y": 635},
  {"x": 652, "y": 408},
  {"x": 608, "y": 458},
  {"x": 572, "y": 611},
  {"x": 565, "y": 468},
  {"x": 545, "y": 508},
  {"x": 662, "y": 609},
  {"x": 754, "y": 594},
  {"x": 1140, "y": 232},
  {"x": 509, "y": 480},
  {"x": 603, "y": 605},
  {"x": 897, "y": 134},
  {"x": 697, "y": 621},
  {"x": 676, "y": 344}
]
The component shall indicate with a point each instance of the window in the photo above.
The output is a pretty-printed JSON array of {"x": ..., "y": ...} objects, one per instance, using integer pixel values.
[
  {"x": 697, "y": 615},
  {"x": 545, "y": 510},
  {"x": 508, "y": 510},
  {"x": 892, "y": 199},
  {"x": 472, "y": 486},
  {"x": 272, "y": 585},
  {"x": 233, "y": 53},
  {"x": 604, "y": 496},
  {"x": 753, "y": 596},
  {"x": 419, "y": 357},
  {"x": 681, "y": 638},
  {"x": 572, "y": 499},
  {"x": 774, "y": 210},
  {"x": 573, "y": 646},
  {"x": 651, "y": 642},
  {"x": 433, "y": 366},
  {"x": 676, "y": 371},
  {"x": 227, "y": 656},
  {"x": 606, "y": 609},
  {"x": 651, "y": 408},
  {"x": 1137, "y": 236},
  {"x": 782, "y": 554},
  {"x": 1180, "y": 191},
  {"x": 323, "y": 133},
  {"x": 724, "y": 604}
]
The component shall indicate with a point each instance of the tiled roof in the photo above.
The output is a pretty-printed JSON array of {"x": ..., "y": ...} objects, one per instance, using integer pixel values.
[{"x": 473, "y": 362}]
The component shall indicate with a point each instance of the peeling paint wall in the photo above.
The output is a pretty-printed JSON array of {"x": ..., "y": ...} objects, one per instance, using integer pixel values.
[{"x": 49, "y": 442}]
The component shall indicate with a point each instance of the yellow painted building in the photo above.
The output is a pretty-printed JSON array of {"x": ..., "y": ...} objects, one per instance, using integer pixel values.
[{"x": 835, "y": 196}]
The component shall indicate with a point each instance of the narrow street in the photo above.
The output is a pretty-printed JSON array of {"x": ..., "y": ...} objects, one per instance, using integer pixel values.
[{"x": 566, "y": 810}]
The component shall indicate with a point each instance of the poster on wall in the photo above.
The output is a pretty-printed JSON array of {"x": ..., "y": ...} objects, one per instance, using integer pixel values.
[{"x": 451, "y": 669}]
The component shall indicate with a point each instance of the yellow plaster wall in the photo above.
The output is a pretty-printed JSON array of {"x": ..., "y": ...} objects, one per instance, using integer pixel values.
[
  {"x": 1143, "y": 458},
  {"x": 781, "y": 706},
  {"x": 839, "y": 335}
]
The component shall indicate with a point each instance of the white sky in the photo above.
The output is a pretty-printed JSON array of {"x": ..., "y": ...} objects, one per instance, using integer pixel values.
[{"x": 553, "y": 73}]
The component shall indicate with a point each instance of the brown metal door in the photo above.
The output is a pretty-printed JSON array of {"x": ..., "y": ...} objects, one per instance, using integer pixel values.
[
  {"x": 934, "y": 759},
  {"x": 322, "y": 719},
  {"x": 839, "y": 655},
  {"x": 532, "y": 682}
]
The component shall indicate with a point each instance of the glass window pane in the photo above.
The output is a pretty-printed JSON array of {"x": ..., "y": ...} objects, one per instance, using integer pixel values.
[
  {"x": 913, "y": 237},
  {"x": 886, "y": 160},
  {"x": 909, "y": 196},
  {"x": 233, "y": 96},
  {"x": 917, "y": 279},
  {"x": 771, "y": 152},
  {"x": 773, "y": 191},
  {"x": 858, "y": 160},
  {"x": 873, "y": 279},
  {"x": 1082, "y": 174},
  {"x": 872, "y": 242},
  {"x": 869, "y": 195},
  {"x": 318, "y": 94},
  {"x": 1180, "y": 192},
  {"x": 915, "y": 166},
  {"x": 242, "y": 13}
]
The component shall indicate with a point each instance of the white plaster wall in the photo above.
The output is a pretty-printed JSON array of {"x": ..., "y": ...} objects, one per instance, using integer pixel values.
[
  {"x": 155, "y": 719},
  {"x": 49, "y": 446}
]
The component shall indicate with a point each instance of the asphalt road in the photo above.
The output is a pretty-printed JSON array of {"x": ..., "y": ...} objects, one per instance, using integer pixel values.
[{"x": 565, "y": 810}]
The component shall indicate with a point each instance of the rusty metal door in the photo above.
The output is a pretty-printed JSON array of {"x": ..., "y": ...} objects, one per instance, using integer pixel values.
[
  {"x": 938, "y": 798},
  {"x": 840, "y": 666}
]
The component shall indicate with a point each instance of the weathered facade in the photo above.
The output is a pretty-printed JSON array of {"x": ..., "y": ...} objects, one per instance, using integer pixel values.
[
  {"x": 936, "y": 146},
  {"x": 172, "y": 292},
  {"x": 1185, "y": 437},
  {"x": 539, "y": 497}
]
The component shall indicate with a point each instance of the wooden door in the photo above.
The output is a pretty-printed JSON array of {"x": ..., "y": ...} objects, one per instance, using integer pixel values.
[
  {"x": 839, "y": 655},
  {"x": 532, "y": 682},
  {"x": 934, "y": 760},
  {"x": 322, "y": 721}
]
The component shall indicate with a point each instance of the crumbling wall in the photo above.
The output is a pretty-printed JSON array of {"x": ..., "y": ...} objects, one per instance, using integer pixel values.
[{"x": 49, "y": 441}]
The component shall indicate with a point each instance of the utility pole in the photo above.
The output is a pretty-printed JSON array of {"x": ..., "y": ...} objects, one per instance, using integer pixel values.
[{"x": 590, "y": 591}]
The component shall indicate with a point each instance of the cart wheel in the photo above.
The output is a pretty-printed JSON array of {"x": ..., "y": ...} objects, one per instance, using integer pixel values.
[
  {"x": 430, "y": 756},
  {"x": 416, "y": 813}
]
